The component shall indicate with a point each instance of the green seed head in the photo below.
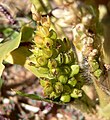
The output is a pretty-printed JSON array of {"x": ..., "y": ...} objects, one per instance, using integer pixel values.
[{"x": 65, "y": 98}]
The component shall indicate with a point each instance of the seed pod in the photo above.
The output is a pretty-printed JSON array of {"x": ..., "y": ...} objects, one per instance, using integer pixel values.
[
  {"x": 52, "y": 63},
  {"x": 58, "y": 87},
  {"x": 66, "y": 89},
  {"x": 63, "y": 79},
  {"x": 52, "y": 34},
  {"x": 94, "y": 65},
  {"x": 65, "y": 98},
  {"x": 76, "y": 93},
  {"x": 48, "y": 42},
  {"x": 98, "y": 73},
  {"x": 43, "y": 70},
  {"x": 72, "y": 81},
  {"x": 42, "y": 61},
  {"x": 60, "y": 58},
  {"x": 67, "y": 45},
  {"x": 74, "y": 70}
]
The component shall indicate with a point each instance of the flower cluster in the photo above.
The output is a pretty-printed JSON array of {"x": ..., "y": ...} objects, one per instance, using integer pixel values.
[{"x": 56, "y": 58}]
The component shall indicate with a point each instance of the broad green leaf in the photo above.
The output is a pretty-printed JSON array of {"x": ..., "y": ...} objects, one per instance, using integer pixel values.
[
  {"x": 20, "y": 56},
  {"x": 36, "y": 97},
  {"x": 6, "y": 48},
  {"x": 27, "y": 33}
]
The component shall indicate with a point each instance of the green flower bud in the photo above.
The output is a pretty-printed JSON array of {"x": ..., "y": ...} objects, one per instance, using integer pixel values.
[
  {"x": 66, "y": 69},
  {"x": 60, "y": 58},
  {"x": 47, "y": 53},
  {"x": 42, "y": 61},
  {"x": 55, "y": 53},
  {"x": 72, "y": 81},
  {"x": 80, "y": 80},
  {"x": 52, "y": 63},
  {"x": 48, "y": 90},
  {"x": 43, "y": 70},
  {"x": 98, "y": 73},
  {"x": 76, "y": 93},
  {"x": 55, "y": 72},
  {"x": 94, "y": 65},
  {"x": 59, "y": 45},
  {"x": 43, "y": 82},
  {"x": 58, "y": 87},
  {"x": 38, "y": 40},
  {"x": 66, "y": 89},
  {"x": 54, "y": 95},
  {"x": 42, "y": 31},
  {"x": 63, "y": 79},
  {"x": 65, "y": 98},
  {"x": 67, "y": 45},
  {"x": 69, "y": 57},
  {"x": 48, "y": 42},
  {"x": 74, "y": 70},
  {"x": 52, "y": 34}
]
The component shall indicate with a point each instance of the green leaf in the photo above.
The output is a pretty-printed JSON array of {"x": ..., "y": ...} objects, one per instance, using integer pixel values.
[
  {"x": 20, "y": 56},
  {"x": 36, "y": 97},
  {"x": 6, "y": 48},
  {"x": 27, "y": 33}
]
